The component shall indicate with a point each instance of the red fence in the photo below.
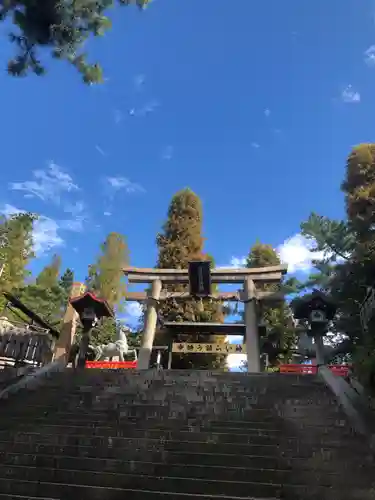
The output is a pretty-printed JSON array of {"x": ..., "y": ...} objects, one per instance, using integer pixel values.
[
  {"x": 341, "y": 370},
  {"x": 110, "y": 365}
]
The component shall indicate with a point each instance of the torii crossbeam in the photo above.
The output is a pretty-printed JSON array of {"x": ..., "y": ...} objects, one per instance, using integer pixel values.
[{"x": 249, "y": 277}]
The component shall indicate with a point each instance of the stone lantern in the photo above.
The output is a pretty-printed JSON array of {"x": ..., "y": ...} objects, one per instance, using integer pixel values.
[
  {"x": 90, "y": 310},
  {"x": 317, "y": 310}
]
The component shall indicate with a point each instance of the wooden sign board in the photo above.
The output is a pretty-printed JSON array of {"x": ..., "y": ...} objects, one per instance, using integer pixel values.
[{"x": 190, "y": 348}]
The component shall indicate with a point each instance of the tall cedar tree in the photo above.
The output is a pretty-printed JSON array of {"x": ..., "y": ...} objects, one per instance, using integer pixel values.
[
  {"x": 60, "y": 26},
  {"x": 16, "y": 250},
  {"x": 349, "y": 266},
  {"x": 180, "y": 242},
  {"x": 280, "y": 329},
  {"x": 49, "y": 276},
  {"x": 106, "y": 280}
]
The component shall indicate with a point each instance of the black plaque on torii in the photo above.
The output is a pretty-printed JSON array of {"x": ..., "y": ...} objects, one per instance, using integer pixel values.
[{"x": 200, "y": 278}]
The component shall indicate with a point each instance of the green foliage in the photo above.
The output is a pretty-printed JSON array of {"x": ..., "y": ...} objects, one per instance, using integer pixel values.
[
  {"x": 106, "y": 277},
  {"x": 334, "y": 238},
  {"x": 359, "y": 189},
  {"x": 262, "y": 255},
  {"x": 16, "y": 250},
  {"x": 348, "y": 268},
  {"x": 278, "y": 318},
  {"x": 49, "y": 276},
  {"x": 180, "y": 242},
  {"x": 49, "y": 303},
  {"x": 66, "y": 281},
  {"x": 62, "y": 27}
]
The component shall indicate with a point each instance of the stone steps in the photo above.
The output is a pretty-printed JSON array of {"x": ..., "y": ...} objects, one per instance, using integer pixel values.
[
  {"x": 162, "y": 411},
  {"x": 45, "y": 491},
  {"x": 44, "y": 478},
  {"x": 256, "y": 437},
  {"x": 119, "y": 418},
  {"x": 138, "y": 454},
  {"x": 231, "y": 428},
  {"x": 123, "y": 446},
  {"x": 172, "y": 469},
  {"x": 181, "y": 435}
]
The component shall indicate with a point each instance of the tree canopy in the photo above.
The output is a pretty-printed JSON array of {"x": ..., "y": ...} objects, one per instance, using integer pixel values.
[
  {"x": 346, "y": 271},
  {"x": 180, "y": 242},
  {"x": 61, "y": 27},
  {"x": 16, "y": 250},
  {"x": 49, "y": 276},
  {"x": 106, "y": 277}
]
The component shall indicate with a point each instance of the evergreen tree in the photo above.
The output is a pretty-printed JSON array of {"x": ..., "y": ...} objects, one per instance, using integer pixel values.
[
  {"x": 48, "y": 302},
  {"x": 61, "y": 26},
  {"x": 45, "y": 296},
  {"x": 66, "y": 281},
  {"x": 106, "y": 277},
  {"x": 262, "y": 255},
  {"x": 106, "y": 280},
  {"x": 280, "y": 333},
  {"x": 180, "y": 242},
  {"x": 49, "y": 276},
  {"x": 348, "y": 268},
  {"x": 16, "y": 249},
  {"x": 359, "y": 190}
]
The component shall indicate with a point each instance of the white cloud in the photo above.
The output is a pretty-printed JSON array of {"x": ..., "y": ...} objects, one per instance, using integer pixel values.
[
  {"x": 45, "y": 235},
  {"x": 349, "y": 95},
  {"x": 100, "y": 150},
  {"x": 75, "y": 225},
  {"x": 297, "y": 253},
  {"x": 9, "y": 210},
  {"x": 267, "y": 112},
  {"x": 255, "y": 145},
  {"x": 167, "y": 153},
  {"x": 45, "y": 230},
  {"x": 117, "y": 116},
  {"x": 118, "y": 183},
  {"x": 107, "y": 214},
  {"x": 139, "y": 81},
  {"x": 132, "y": 314},
  {"x": 146, "y": 109},
  {"x": 235, "y": 361},
  {"x": 370, "y": 56},
  {"x": 75, "y": 208},
  {"x": 238, "y": 262},
  {"x": 234, "y": 262},
  {"x": 48, "y": 184},
  {"x": 234, "y": 339}
]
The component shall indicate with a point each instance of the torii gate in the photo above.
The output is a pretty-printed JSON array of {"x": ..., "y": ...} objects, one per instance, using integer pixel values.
[{"x": 249, "y": 295}]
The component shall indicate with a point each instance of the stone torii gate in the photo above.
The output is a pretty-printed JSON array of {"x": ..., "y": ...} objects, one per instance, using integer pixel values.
[{"x": 249, "y": 295}]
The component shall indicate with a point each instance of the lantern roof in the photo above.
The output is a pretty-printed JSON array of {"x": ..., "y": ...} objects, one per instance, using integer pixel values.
[
  {"x": 89, "y": 300},
  {"x": 316, "y": 301}
]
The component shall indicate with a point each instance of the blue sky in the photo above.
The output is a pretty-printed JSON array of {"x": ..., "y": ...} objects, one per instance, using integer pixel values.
[{"x": 254, "y": 105}]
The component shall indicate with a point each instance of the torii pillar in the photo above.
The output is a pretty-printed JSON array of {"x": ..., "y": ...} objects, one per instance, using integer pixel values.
[
  {"x": 148, "y": 335},
  {"x": 68, "y": 330},
  {"x": 251, "y": 327}
]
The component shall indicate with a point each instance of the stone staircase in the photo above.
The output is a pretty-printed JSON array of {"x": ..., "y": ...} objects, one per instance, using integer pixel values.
[{"x": 180, "y": 435}]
